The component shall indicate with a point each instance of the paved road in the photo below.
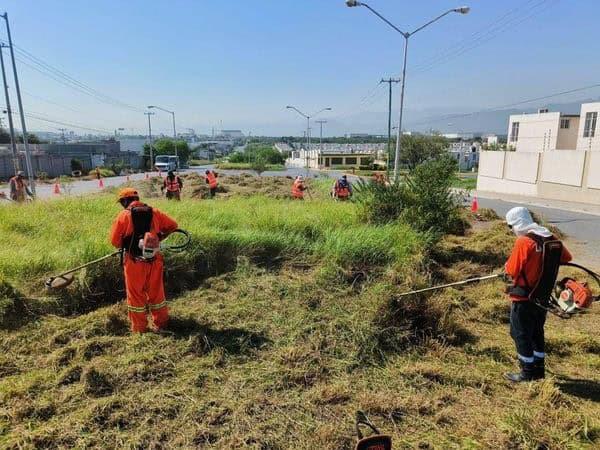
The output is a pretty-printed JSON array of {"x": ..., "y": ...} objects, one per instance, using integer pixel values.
[{"x": 583, "y": 230}]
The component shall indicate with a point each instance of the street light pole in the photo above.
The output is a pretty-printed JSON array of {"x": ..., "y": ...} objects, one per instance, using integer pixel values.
[
  {"x": 321, "y": 122},
  {"x": 173, "y": 117},
  {"x": 13, "y": 141},
  {"x": 406, "y": 35},
  {"x": 148, "y": 113},
  {"x": 20, "y": 103},
  {"x": 389, "y": 146},
  {"x": 307, "y": 117}
]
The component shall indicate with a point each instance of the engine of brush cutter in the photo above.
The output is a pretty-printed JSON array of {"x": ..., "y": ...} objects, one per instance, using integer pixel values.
[
  {"x": 573, "y": 296},
  {"x": 150, "y": 246}
]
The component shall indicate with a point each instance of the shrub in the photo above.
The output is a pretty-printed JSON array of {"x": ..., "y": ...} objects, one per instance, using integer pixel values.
[
  {"x": 76, "y": 165},
  {"x": 423, "y": 200},
  {"x": 380, "y": 203},
  {"x": 431, "y": 204}
]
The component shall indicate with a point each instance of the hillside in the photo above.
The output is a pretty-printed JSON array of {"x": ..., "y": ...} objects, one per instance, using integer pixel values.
[{"x": 284, "y": 323}]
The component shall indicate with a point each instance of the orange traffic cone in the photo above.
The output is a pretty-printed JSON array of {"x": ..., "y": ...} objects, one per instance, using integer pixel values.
[
  {"x": 474, "y": 205},
  {"x": 101, "y": 183},
  {"x": 56, "y": 188}
]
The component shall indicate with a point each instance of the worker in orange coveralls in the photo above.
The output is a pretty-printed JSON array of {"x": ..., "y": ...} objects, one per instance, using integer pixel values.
[{"x": 138, "y": 231}]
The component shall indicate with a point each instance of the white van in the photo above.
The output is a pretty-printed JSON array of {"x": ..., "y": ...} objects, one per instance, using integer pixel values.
[{"x": 164, "y": 163}]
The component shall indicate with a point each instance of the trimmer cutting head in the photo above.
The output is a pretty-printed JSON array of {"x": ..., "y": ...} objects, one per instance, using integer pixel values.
[{"x": 60, "y": 282}]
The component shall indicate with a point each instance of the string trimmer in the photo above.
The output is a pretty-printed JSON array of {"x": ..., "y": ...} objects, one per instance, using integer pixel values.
[
  {"x": 176, "y": 242},
  {"x": 568, "y": 297}
]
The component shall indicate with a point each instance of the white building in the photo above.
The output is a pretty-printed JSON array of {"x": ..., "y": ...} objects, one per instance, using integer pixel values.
[
  {"x": 465, "y": 153},
  {"x": 490, "y": 139},
  {"x": 588, "y": 136},
  {"x": 543, "y": 131}
]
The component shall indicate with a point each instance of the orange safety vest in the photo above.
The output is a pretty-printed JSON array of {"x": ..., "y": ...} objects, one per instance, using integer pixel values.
[
  {"x": 19, "y": 184},
  {"x": 342, "y": 191},
  {"x": 172, "y": 185},
  {"x": 298, "y": 189},
  {"x": 212, "y": 180}
]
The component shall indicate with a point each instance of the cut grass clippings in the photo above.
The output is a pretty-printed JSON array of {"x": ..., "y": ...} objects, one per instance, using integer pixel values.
[{"x": 278, "y": 348}]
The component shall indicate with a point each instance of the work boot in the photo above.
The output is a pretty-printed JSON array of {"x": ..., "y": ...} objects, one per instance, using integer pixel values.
[
  {"x": 539, "y": 368},
  {"x": 527, "y": 373}
]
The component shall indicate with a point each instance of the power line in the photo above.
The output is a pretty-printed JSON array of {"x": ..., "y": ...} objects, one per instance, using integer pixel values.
[
  {"x": 510, "y": 105},
  {"x": 44, "y": 118},
  {"x": 35, "y": 63},
  {"x": 484, "y": 35}
]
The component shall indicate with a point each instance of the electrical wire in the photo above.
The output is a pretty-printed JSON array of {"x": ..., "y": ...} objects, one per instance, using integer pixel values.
[
  {"x": 33, "y": 62},
  {"x": 44, "y": 118},
  {"x": 509, "y": 105}
]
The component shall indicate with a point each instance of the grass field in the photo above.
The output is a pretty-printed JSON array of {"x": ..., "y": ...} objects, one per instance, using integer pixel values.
[{"x": 284, "y": 323}]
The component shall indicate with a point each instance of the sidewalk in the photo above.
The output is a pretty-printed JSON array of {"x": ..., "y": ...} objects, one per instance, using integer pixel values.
[{"x": 584, "y": 208}]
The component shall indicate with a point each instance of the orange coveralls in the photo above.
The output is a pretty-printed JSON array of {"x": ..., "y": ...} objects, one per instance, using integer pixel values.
[
  {"x": 143, "y": 280},
  {"x": 298, "y": 189}
]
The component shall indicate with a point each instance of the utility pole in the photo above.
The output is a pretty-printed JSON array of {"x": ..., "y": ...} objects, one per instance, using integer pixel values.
[
  {"x": 20, "y": 102},
  {"x": 320, "y": 122},
  {"x": 13, "y": 141},
  {"x": 150, "y": 139},
  {"x": 62, "y": 130},
  {"x": 389, "y": 81}
]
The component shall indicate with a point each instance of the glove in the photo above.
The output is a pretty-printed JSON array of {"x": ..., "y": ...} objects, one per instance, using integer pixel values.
[{"x": 506, "y": 277}]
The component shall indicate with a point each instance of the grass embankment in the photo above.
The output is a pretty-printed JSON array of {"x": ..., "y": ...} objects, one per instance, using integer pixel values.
[
  {"x": 247, "y": 166},
  {"x": 465, "y": 181},
  {"x": 284, "y": 324}
]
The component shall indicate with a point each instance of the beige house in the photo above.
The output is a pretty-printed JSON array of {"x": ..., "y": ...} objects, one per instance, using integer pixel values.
[{"x": 543, "y": 131}]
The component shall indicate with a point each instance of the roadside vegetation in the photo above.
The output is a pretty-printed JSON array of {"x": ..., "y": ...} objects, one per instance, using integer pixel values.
[{"x": 285, "y": 321}]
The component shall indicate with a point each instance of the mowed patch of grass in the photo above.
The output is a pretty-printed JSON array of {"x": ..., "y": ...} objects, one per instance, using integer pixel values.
[{"x": 281, "y": 355}]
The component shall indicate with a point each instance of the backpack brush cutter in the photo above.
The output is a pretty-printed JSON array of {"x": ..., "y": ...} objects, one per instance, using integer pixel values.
[
  {"x": 178, "y": 241},
  {"x": 566, "y": 298}
]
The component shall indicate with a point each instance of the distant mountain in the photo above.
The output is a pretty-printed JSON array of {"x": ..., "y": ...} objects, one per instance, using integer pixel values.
[{"x": 445, "y": 120}]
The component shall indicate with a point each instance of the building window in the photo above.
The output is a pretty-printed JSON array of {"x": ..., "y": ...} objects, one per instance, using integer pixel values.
[
  {"x": 565, "y": 124},
  {"x": 326, "y": 162},
  {"x": 350, "y": 161},
  {"x": 590, "y": 124},
  {"x": 514, "y": 133},
  {"x": 337, "y": 161}
]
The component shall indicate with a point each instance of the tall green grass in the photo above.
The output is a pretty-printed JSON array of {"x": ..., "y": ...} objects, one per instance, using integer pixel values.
[{"x": 48, "y": 236}]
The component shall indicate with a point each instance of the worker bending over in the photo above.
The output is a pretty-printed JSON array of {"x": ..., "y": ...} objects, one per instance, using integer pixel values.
[
  {"x": 342, "y": 189},
  {"x": 533, "y": 266},
  {"x": 18, "y": 188},
  {"x": 298, "y": 188},
  {"x": 211, "y": 180},
  {"x": 138, "y": 230},
  {"x": 173, "y": 184}
]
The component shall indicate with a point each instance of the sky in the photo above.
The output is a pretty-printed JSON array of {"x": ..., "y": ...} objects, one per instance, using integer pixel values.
[{"x": 236, "y": 64}]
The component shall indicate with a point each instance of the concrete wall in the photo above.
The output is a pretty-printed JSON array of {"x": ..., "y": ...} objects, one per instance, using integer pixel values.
[
  {"x": 521, "y": 166},
  {"x": 492, "y": 166},
  {"x": 562, "y": 175},
  {"x": 565, "y": 167}
]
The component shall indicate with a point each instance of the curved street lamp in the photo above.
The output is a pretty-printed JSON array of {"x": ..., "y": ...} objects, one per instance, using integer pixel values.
[
  {"x": 406, "y": 35},
  {"x": 307, "y": 117}
]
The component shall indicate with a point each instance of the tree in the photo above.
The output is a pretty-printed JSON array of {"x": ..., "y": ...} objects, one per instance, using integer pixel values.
[
  {"x": 167, "y": 146},
  {"x": 4, "y": 136},
  {"x": 259, "y": 165},
  {"x": 31, "y": 138},
  {"x": 418, "y": 149}
]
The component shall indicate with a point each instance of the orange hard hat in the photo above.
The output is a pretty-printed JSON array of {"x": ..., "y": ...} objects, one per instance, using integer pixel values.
[{"x": 127, "y": 193}]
